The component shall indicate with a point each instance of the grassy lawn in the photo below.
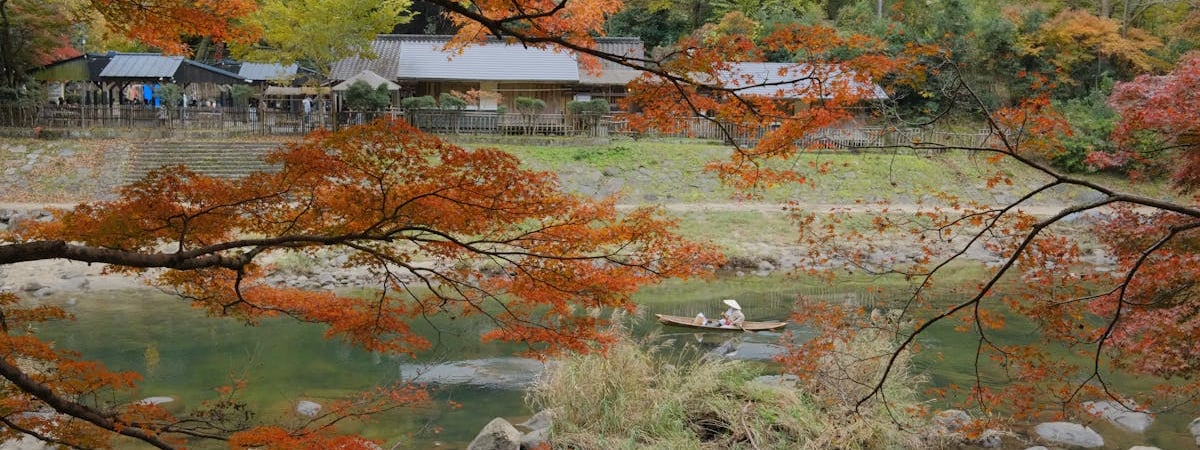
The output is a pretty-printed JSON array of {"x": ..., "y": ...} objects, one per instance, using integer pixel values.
[{"x": 669, "y": 171}]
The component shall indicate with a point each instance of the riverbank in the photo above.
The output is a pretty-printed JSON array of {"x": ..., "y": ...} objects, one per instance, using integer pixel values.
[{"x": 757, "y": 234}]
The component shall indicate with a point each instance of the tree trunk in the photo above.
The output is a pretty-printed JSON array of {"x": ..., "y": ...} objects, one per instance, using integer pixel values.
[{"x": 7, "y": 65}]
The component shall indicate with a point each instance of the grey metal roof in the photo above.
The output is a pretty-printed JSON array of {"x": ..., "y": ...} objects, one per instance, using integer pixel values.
[
  {"x": 790, "y": 80},
  {"x": 420, "y": 57},
  {"x": 490, "y": 61},
  {"x": 141, "y": 65},
  {"x": 267, "y": 71}
]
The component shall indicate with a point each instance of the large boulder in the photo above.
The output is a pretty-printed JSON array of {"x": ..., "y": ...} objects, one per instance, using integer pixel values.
[
  {"x": 540, "y": 421},
  {"x": 307, "y": 408},
  {"x": 539, "y": 426},
  {"x": 1194, "y": 427},
  {"x": 1120, "y": 416},
  {"x": 1067, "y": 433},
  {"x": 25, "y": 442},
  {"x": 497, "y": 435},
  {"x": 535, "y": 439}
]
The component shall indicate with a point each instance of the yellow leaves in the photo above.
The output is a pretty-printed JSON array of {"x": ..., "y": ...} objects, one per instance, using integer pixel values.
[
  {"x": 320, "y": 32},
  {"x": 1075, "y": 37}
]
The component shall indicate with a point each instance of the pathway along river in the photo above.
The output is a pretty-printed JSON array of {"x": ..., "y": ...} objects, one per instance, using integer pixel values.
[{"x": 184, "y": 354}]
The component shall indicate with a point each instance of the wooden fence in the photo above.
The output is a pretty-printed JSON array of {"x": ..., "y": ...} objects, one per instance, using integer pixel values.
[
  {"x": 289, "y": 121},
  {"x": 848, "y": 137}
]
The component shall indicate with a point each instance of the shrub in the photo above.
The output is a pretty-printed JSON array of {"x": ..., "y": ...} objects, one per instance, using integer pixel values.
[
  {"x": 530, "y": 105},
  {"x": 1092, "y": 122},
  {"x": 636, "y": 396},
  {"x": 422, "y": 102},
  {"x": 171, "y": 95},
  {"x": 597, "y": 106},
  {"x": 360, "y": 96},
  {"x": 451, "y": 101}
]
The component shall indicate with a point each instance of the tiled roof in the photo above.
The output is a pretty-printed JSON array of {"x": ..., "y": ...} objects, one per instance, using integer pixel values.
[
  {"x": 787, "y": 80},
  {"x": 386, "y": 63},
  {"x": 266, "y": 72},
  {"x": 141, "y": 65}
]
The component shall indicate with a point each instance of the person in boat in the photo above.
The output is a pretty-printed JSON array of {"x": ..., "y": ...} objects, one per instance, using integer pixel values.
[{"x": 733, "y": 316}]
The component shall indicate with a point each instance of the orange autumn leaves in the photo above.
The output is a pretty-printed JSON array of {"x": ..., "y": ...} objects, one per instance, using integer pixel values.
[
  {"x": 162, "y": 24},
  {"x": 441, "y": 229},
  {"x": 423, "y": 216}
]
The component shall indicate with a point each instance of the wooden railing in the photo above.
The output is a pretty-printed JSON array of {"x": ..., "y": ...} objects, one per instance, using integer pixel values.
[{"x": 253, "y": 121}]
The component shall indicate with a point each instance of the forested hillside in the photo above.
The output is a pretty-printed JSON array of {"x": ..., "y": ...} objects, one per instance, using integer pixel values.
[{"x": 1006, "y": 51}]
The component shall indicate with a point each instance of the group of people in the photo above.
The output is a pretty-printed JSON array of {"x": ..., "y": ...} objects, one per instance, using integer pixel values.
[{"x": 731, "y": 318}]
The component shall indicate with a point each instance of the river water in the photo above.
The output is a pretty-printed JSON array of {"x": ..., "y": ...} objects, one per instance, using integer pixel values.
[{"x": 183, "y": 355}]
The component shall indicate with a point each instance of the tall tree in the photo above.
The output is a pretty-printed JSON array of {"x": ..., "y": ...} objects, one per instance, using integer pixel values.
[
  {"x": 30, "y": 32},
  {"x": 318, "y": 33},
  {"x": 1083, "y": 47},
  {"x": 1168, "y": 108}
]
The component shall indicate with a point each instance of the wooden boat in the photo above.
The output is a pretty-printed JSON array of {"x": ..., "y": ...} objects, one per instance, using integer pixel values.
[{"x": 686, "y": 322}]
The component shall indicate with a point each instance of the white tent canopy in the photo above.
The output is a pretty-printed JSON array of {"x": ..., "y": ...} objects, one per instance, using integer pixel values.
[{"x": 370, "y": 78}]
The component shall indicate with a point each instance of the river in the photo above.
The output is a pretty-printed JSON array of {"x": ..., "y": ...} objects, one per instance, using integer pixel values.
[{"x": 183, "y": 355}]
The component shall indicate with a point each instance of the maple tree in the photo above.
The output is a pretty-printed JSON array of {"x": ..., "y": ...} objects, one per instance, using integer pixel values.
[
  {"x": 163, "y": 24},
  {"x": 1167, "y": 107},
  {"x": 1074, "y": 39},
  {"x": 399, "y": 202}
]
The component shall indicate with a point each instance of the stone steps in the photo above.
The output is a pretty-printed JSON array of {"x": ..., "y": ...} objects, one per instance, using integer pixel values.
[{"x": 217, "y": 159}]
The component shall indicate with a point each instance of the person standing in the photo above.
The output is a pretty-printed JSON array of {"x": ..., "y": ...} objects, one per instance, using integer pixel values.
[{"x": 307, "y": 108}]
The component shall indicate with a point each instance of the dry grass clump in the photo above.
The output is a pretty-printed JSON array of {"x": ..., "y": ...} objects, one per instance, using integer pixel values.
[{"x": 636, "y": 397}]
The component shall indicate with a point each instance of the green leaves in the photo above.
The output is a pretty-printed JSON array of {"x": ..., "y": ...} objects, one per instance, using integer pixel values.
[{"x": 320, "y": 32}]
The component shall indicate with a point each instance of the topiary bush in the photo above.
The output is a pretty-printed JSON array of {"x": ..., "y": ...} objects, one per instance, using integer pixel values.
[
  {"x": 362, "y": 97},
  {"x": 529, "y": 105},
  {"x": 451, "y": 101},
  {"x": 597, "y": 106},
  {"x": 422, "y": 102},
  {"x": 586, "y": 114}
]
